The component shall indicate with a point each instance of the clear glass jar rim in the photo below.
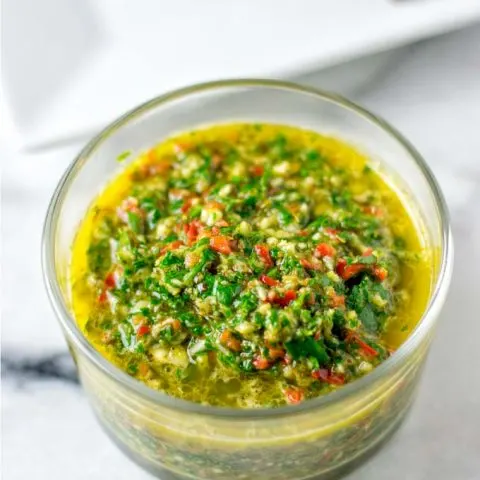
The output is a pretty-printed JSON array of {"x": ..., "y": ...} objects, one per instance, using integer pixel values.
[{"x": 75, "y": 335}]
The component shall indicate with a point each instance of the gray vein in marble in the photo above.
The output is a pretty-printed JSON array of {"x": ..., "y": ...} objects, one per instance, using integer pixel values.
[{"x": 22, "y": 369}]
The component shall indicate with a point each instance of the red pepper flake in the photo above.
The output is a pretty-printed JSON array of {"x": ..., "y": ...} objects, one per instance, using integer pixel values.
[
  {"x": 380, "y": 273},
  {"x": 261, "y": 363},
  {"x": 288, "y": 297},
  {"x": 220, "y": 244},
  {"x": 110, "y": 281},
  {"x": 336, "y": 379},
  {"x": 337, "y": 301},
  {"x": 275, "y": 353},
  {"x": 341, "y": 264},
  {"x": 192, "y": 230},
  {"x": 352, "y": 270},
  {"x": 327, "y": 376},
  {"x": 310, "y": 265},
  {"x": 187, "y": 204},
  {"x": 171, "y": 246},
  {"x": 367, "y": 252},
  {"x": 367, "y": 349},
  {"x": 294, "y": 395},
  {"x": 324, "y": 250},
  {"x": 348, "y": 271},
  {"x": 264, "y": 253},
  {"x": 228, "y": 340},
  {"x": 305, "y": 263},
  {"x": 143, "y": 330},
  {"x": 320, "y": 374},
  {"x": 176, "y": 325},
  {"x": 364, "y": 346},
  {"x": 271, "y": 282},
  {"x": 102, "y": 298},
  {"x": 257, "y": 170}
]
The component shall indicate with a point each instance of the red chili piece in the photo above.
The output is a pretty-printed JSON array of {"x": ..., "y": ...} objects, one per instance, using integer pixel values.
[
  {"x": 294, "y": 395},
  {"x": 288, "y": 297},
  {"x": 192, "y": 230},
  {"x": 110, "y": 281},
  {"x": 324, "y": 250},
  {"x": 380, "y": 273},
  {"x": 264, "y": 253},
  {"x": 326, "y": 376},
  {"x": 186, "y": 205},
  {"x": 228, "y": 340},
  {"x": 143, "y": 330},
  {"x": 271, "y": 282},
  {"x": 364, "y": 346},
  {"x": 276, "y": 352},
  {"x": 261, "y": 363},
  {"x": 257, "y": 170},
  {"x": 341, "y": 264},
  {"x": 102, "y": 298},
  {"x": 220, "y": 244},
  {"x": 310, "y": 265},
  {"x": 348, "y": 271},
  {"x": 337, "y": 301},
  {"x": 171, "y": 246}
]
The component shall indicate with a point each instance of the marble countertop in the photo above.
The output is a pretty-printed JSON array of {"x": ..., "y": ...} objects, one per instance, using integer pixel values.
[{"x": 432, "y": 94}]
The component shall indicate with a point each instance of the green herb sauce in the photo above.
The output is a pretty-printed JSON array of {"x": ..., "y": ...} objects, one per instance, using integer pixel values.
[{"x": 248, "y": 265}]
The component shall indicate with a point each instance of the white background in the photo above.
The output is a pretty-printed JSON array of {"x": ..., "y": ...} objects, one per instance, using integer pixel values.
[{"x": 70, "y": 66}]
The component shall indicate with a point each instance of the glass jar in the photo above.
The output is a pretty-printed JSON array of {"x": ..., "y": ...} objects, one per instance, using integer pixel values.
[{"x": 318, "y": 438}]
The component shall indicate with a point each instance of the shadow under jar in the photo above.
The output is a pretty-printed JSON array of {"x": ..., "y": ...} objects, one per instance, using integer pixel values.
[{"x": 319, "y": 438}]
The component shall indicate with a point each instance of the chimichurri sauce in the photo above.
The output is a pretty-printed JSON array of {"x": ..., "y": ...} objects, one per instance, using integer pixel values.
[{"x": 248, "y": 265}]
